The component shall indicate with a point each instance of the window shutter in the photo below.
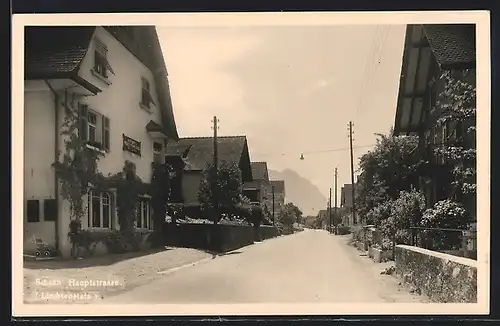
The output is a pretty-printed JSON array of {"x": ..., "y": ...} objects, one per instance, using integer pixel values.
[
  {"x": 33, "y": 210},
  {"x": 83, "y": 116},
  {"x": 100, "y": 46},
  {"x": 50, "y": 210},
  {"x": 105, "y": 133}
]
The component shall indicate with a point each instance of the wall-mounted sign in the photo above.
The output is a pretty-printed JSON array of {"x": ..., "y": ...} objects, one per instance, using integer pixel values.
[{"x": 131, "y": 145}]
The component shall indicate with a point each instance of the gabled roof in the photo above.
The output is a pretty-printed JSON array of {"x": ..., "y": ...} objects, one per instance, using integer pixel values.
[
  {"x": 52, "y": 51},
  {"x": 452, "y": 44},
  {"x": 57, "y": 52},
  {"x": 279, "y": 185},
  {"x": 259, "y": 171},
  {"x": 429, "y": 50},
  {"x": 198, "y": 152}
]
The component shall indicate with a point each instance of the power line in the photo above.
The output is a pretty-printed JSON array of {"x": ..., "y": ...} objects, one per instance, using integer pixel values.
[
  {"x": 338, "y": 149},
  {"x": 371, "y": 51},
  {"x": 319, "y": 151},
  {"x": 373, "y": 68}
]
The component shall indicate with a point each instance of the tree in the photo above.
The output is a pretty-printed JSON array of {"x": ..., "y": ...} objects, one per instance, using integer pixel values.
[
  {"x": 290, "y": 214},
  {"x": 228, "y": 190},
  {"x": 160, "y": 193},
  {"x": 457, "y": 104},
  {"x": 391, "y": 167}
]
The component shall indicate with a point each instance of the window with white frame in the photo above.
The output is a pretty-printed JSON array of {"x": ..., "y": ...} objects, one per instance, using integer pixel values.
[
  {"x": 100, "y": 213},
  {"x": 94, "y": 128},
  {"x": 143, "y": 214}
]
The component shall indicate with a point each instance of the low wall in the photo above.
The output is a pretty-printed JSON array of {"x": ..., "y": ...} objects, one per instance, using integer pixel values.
[
  {"x": 442, "y": 277},
  {"x": 103, "y": 242},
  {"x": 214, "y": 237}
]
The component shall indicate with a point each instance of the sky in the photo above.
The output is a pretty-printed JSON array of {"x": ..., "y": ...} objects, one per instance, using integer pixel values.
[{"x": 289, "y": 89}]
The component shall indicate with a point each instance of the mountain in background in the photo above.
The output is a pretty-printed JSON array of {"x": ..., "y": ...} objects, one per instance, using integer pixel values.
[{"x": 300, "y": 191}]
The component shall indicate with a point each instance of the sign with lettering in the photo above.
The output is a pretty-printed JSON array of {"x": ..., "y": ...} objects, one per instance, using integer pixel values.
[{"x": 131, "y": 145}]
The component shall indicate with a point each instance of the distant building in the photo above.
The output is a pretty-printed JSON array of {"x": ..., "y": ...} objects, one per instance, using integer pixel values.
[
  {"x": 279, "y": 195},
  {"x": 191, "y": 155},
  {"x": 256, "y": 189},
  {"x": 346, "y": 196}
]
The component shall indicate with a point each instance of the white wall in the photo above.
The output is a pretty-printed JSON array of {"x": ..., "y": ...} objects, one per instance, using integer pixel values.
[
  {"x": 120, "y": 102},
  {"x": 39, "y": 153}
]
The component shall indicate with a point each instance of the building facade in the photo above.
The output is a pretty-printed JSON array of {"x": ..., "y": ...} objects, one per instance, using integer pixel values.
[
  {"x": 278, "y": 188},
  {"x": 115, "y": 80},
  {"x": 429, "y": 51}
]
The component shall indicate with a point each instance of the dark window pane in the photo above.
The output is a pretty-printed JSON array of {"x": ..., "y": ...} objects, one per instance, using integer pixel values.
[
  {"x": 50, "y": 210},
  {"x": 157, "y": 147},
  {"x": 92, "y": 134},
  {"x": 33, "y": 211},
  {"x": 145, "y": 213},
  {"x": 96, "y": 212},
  {"x": 138, "y": 214},
  {"x": 106, "y": 214}
]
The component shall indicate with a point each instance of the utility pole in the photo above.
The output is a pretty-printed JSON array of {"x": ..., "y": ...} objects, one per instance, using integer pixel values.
[
  {"x": 272, "y": 187},
  {"x": 352, "y": 174},
  {"x": 330, "y": 209},
  {"x": 215, "y": 189},
  {"x": 336, "y": 211}
]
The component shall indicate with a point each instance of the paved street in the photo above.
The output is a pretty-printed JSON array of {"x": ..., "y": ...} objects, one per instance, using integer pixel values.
[{"x": 308, "y": 267}]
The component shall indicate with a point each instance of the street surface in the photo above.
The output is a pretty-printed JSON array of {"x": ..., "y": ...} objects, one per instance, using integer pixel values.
[{"x": 312, "y": 266}]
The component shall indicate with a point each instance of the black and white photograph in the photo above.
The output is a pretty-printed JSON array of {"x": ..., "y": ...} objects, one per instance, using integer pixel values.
[{"x": 246, "y": 163}]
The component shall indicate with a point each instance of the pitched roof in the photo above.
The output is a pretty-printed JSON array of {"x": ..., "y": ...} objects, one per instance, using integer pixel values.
[
  {"x": 198, "y": 152},
  {"x": 452, "y": 43},
  {"x": 279, "y": 185},
  {"x": 259, "y": 171},
  {"x": 55, "y": 51},
  {"x": 58, "y": 51}
]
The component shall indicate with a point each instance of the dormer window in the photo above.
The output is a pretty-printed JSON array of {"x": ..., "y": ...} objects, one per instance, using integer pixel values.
[
  {"x": 101, "y": 63},
  {"x": 146, "y": 97}
]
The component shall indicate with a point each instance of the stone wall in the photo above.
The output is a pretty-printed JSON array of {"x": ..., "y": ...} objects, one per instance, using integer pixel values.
[{"x": 442, "y": 277}]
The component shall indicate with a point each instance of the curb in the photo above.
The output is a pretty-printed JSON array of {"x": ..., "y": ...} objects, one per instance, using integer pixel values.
[{"x": 175, "y": 269}]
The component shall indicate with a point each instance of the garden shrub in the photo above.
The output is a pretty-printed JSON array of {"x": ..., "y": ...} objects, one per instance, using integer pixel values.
[
  {"x": 406, "y": 211},
  {"x": 446, "y": 214},
  {"x": 358, "y": 232}
]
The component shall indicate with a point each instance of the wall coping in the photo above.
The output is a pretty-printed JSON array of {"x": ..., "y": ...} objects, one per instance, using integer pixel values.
[{"x": 460, "y": 260}]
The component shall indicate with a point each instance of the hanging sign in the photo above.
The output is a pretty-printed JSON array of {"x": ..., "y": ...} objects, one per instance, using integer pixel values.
[{"x": 131, "y": 145}]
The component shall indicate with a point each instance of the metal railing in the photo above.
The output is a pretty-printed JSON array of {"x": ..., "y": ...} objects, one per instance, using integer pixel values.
[{"x": 458, "y": 242}]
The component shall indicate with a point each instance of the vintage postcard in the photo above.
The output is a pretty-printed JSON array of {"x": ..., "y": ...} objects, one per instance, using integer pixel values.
[{"x": 251, "y": 163}]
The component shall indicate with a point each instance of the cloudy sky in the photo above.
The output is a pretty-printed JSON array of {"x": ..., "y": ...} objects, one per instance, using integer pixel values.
[{"x": 289, "y": 89}]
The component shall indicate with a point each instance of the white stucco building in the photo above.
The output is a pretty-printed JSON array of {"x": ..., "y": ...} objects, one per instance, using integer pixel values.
[{"x": 117, "y": 79}]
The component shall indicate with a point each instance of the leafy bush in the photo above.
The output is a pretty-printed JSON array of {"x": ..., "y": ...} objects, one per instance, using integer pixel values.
[
  {"x": 406, "y": 211},
  {"x": 446, "y": 214},
  {"x": 358, "y": 232},
  {"x": 381, "y": 212},
  {"x": 342, "y": 230}
]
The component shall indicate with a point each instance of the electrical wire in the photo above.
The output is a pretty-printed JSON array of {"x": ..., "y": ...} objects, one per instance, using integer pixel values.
[{"x": 320, "y": 151}]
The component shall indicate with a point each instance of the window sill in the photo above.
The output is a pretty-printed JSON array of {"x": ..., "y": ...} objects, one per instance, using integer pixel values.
[
  {"x": 145, "y": 230},
  {"x": 100, "y": 229},
  {"x": 145, "y": 108},
  {"x": 100, "y": 77},
  {"x": 95, "y": 149}
]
